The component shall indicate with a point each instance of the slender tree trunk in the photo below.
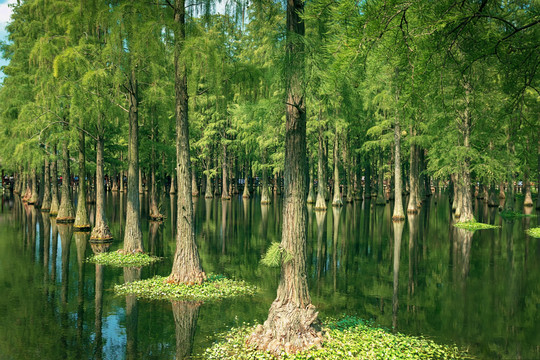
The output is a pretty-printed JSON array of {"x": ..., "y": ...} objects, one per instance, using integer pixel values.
[
  {"x": 412, "y": 207},
  {"x": 311, "y": 192},
  {"x": 289, "y": 326},
  {"x": 398, "y": 234},
  {"x": 208, "y": 193},
  {"x": 81, "y": 217},
  {"x": 133, "y": 239},
  {"x": 465, "y": 175},
  {"x": 509, "y": 203},
  {"x": 336, "y": 201},
  {"x": 172, "y": 190},
  {"x": 245, "y": 193},
  {"x": 121, "y": 186},
  {"x": 55, "y": 204},
  {"x": 101, "y": 231},
  {"x": 35, "y": 194},
  {"x": 154, "y": 210},
  {"x": 538, "y": 177},
  {"x": 194, "y": 186},
  {"x": 265, "y": 193},
  {"x": 46, "y": 204},
  {"x": 224, "y": 183},
  {"x": 527, "y": 189},
  {"x": 320, "y": 204},
  {"x": 141, "y": 189},
  {"x": 349, "y": 173},
  {"x": 186, "y": 266},
  {"x": 66, "y": 214},
  {"x": 380, "y": 183},
  {"x": 398, "y": 215}
]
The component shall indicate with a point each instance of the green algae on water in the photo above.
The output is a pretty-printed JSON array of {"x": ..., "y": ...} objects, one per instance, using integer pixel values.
[
  {"x": 473, "y": 225},
  {"x": 123, "y": 260},
  {"x": 216, "y": 287},
  {"x": 346, "y": 338},
  {"x": 534, "y": 232}
]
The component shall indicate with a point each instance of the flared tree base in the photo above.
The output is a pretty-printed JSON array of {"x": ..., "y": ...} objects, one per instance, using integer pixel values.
[
  {"x": 288, "y": 329},
  {"x": 65, "y": 220},
  {"x": 101, "y": 234},
  {"x": 156, "y": 217},
  {"x": 82, "y": 228},
  {"x": 398, "y": 218},
  {"x": 188, "y": 277}
]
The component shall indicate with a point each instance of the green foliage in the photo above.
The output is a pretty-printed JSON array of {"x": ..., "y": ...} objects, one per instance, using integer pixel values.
[
  {"x": 346, "y": 338},
  {"x": 473, "y": 225},
  {"x": 510, "y": 214},
  {"x": 123, "y": 260},
  {"x": 276, "y": 255},
  {"x": 216, "y": 287}
]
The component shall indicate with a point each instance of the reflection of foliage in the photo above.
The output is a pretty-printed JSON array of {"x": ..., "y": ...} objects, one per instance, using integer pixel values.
[{"x": 473, "y": 225}]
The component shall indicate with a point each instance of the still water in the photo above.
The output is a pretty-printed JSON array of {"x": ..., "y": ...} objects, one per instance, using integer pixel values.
[{"x": 480, "y": 291}]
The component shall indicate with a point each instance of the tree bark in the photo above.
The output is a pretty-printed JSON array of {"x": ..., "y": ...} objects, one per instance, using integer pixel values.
[
  {"x": 224, "y": 182},
  {"x": 265, "y": 193},
  {"x": 81, "y": 218},
  {"x": 336, "y": 201},
  {"x": 133, "y": 239},
  {"x": 289, "y": 326},
  {"x": 101, "y": 231},
  {"x": 320, "y": 204},
  {"x": 412, "y": 207},
  {"x": 398, "y": 214},
  {"x": 185, "y": 319},
  {"x": 194, "y": 186},
  {"x": 186, "y": 266},
  {"x": 34, "y": 186},
  {"x": 380, "y": 183},
  {"x": 46, "y": 204},
  {"x": 465, "y": 174},
  {"x": 66, "y": 214},
  {"x": 55, "y": 204}
]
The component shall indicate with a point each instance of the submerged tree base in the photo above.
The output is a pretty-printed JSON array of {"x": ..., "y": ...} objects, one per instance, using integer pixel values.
[
  {"x": 473, "y": 225},
  {"x": 120, "y": 259},
  {"x": 346, "y": 338},
  {"x": 216, "y": 287},
  {"x": 534, "y": 232}
]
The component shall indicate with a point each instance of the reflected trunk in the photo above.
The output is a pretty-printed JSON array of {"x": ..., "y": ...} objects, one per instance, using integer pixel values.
[{"x": 185, "y": 319}]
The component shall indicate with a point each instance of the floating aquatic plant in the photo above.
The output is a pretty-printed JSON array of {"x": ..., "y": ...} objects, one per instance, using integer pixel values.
[
  {"x": 534, "y": 232},
  {"x": 473, "y": 225},
  {"x": 122, "y": 260}
]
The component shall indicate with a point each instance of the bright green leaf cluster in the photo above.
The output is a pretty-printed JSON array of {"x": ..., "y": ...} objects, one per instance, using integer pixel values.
[{"x": 123, "y": 260}]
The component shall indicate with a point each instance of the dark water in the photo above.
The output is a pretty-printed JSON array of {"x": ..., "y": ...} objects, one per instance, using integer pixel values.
[{"x": 480, "y": 291}]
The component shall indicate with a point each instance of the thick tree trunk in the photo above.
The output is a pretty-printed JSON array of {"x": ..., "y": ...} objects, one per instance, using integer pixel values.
[
  {"x": 246, "y": 194},
  {"x": 398, "y": 214},
  {"x": 172, "y": 190},
  {"x": 208, "y": 192},
  {"x": 502, "y": 194},
  {"x": 66, "y": 214},
  {"x": 492, "y": 201},
  {"x": 185, "y": 319},
  {"x": 46, "y": 204},
  {"x": 133, "y": 239},
  {"x": 336, "y": 201},
  {"x": 186, "y": 266},
  {"x": 55, "y": 204},
  {"x": 527, "y": 189},
  {"x": 81, "y": 218},
  {"x": 289, "y": 326},
  {"x": 320, "y": 204},
  {"x": 101, "y": 231}
]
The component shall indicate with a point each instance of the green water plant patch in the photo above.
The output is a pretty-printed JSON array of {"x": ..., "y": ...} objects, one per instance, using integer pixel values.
[
  {"x": 473, "y": 225},
  {"x": 123, "y": 260},
  {"x": 216, "y": 287},
  {"x": 534, "y": 232},
  {"x": 347, "y": 338}
]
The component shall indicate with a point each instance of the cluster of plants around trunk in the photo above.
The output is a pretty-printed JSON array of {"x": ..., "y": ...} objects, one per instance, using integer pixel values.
[
  {"x": 383, "y": 97},
  {"x": 345, "y": 338}
]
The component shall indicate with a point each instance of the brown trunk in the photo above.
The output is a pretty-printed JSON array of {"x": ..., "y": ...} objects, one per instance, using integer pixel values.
[
  {"x": 185, "y": 319},
  {"x": 527, "y": 189},
  {"x": 265, "y": 193},
  {"x": 194, "y": 185},
  {"x": 101, "y": 230},
  {"x": 509, "y": 203},
  {"x": 289, "y": 326},
  {"x": 367, "y": 179},
  {"x": 412, "y": 207},
  {"x": 398, "y": 215},
  {"x": 336, "y": 201},
  {"x": 81, "y": 217},
  {"x": 380, "y": 183},
  {"x": 66, "y": 214},
  {"x": 320, "y": 204},
  {"x": 311, "y": 192},
  {"x": 34, "y": 188},
  {"x": 224, "y": 182},
  {"x": 55, "y": 204},
  {"x": 133, "y": 234},
  {"x": 141, "y": 189},
  {"x": 465, "y": 175},
  {"x": 208, "y": 193},
  {"x": 172, "y": 190},
  {"x": 186, "y": 266}
]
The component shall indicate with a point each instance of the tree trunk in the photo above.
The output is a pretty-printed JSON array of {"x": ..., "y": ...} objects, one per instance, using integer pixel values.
[
  {"x": 55, "y": 204},
  {"x": 185, "y": 319},
  {"x": 465, "y": 175},
  {"x": 289, "y": 326},
  {"x": 172, "y": 190},
  {"x": 349, "y": 173},
  {"x": 154, "y": 210},
  {"x": 133, "y": 239},
  {"x": 336, "y": 201},
  {"x": 320, "y": 204},
  {"x": 509, "y": 203},
  {"x": 398, "y": 214},
  {"x": 208, "y": 192},
  {"x": 81, "y": 217},
  {"x": 527, "y": 189},
  {"x": 186, "y": 266},
  {"x": 66, "y": 214},
  {"x": 46, "y": 204},
  {"x": 265, "y": 193},
  {"x": 121, "y": 186},
  {"x": 245, "y": 193},
  {"x": 224, "y": 183},
  {"x": 101, "y": 231},
  {"x": 141, "y": 189},
  {"x": 412, "y": 207},
  {"x": 194, "y": 185},
  {"x": 35, "y": 194},
  {"x": 380, "y": 183},
  {"x": 311, "y": 192},
  {"x": 398, "y": 232},
  {"x": 367, "y": 179}
]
